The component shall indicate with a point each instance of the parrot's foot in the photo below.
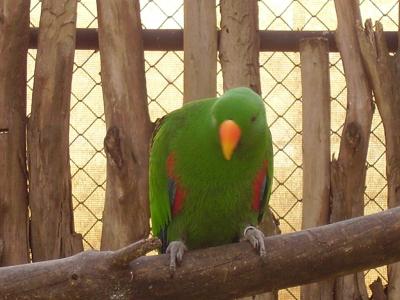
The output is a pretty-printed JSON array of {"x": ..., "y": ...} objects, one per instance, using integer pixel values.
[
  {"x": 256, "y": 239},
  {"x": 175, "y": 249}
]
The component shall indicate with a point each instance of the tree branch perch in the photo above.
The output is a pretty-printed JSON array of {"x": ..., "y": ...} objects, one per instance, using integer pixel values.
[{"x": 216, "y": 273}]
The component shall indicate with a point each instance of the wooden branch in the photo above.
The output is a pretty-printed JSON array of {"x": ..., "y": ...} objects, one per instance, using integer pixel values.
[
  {"x": 50, "y": 199},
  {"x": 348, "y": 172},
  {"x": 383, "y": 72},
  {"x": 200, "y": 49},
  {"x": 314, "y": 57},
  {"x": 240, "y": 44},
  {"x": 77, "y": 277},
  {"x": 14, "y": 35},
  {"x": 126, "y": 212},
  {"x": 215, "y": 273}
]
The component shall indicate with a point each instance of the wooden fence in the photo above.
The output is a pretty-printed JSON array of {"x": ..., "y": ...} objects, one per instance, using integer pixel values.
[{"x": 36, "y": 217}]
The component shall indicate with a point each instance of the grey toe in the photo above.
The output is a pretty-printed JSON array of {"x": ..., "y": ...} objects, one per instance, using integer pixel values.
[
  {"x": 256, "y": 239},
  {"x": 175, "y": 249}
]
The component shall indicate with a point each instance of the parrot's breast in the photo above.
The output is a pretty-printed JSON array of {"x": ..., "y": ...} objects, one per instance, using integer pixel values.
[{"x": 214, "y": 214}]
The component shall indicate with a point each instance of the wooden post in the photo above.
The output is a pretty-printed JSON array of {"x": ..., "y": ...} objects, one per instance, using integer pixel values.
[
  {"x": 240, "y": 44},
  {"x": 348, "y": 172},
  {"x": 382, "y": 70},
  {"x": 314, "y": 57},
  {"x": 14, "y": 37},
  {"x": 50, "y": 199},
  {"x": 126, "y": 213},
  {"x": 239, "y": 57},
  {"x": 200, "y": 49}
]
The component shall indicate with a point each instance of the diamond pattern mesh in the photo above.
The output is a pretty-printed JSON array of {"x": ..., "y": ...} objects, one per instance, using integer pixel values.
[{"x": 281, "y": 88}]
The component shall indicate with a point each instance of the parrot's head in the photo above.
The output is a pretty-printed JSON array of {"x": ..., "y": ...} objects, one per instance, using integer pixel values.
[{"x": 240, "y": 122}]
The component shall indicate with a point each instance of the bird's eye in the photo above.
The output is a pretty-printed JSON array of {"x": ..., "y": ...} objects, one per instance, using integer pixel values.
[{"x": 253, "y": 119}]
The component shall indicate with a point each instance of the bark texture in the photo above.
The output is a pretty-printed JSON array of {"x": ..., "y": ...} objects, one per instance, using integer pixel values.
[
  {"x": 1, "y": 249},
  {"x": 14, "y": 38},
  {"x": 314, "y": 57},
  {"x": 239, "y": 49},
  {"x": 377, "y": 289},
  {"x": 348, "y": 172},
  {"x": 172, "y": 39},
  {"x": 200, "y": 49},
  {"x": 240, "y": 44},
  {"x": 269, "y": 226},
  {"x": 383, "y": 70},
  {"x": 222, "y": 272},
  {"x": 52, "y": 224},
  {"x": 126, "y": 212}
]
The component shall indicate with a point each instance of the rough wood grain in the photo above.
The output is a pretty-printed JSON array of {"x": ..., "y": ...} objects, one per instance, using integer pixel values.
[
  {"x": 14, "y": 35},
  {"x": 383, "y": 71},
  {"x": 1, "y": 250},
  {"x": 314, "y": 57},
  {"x": 50, "y": 199},
  {"x": 215, "y": 273},
  {"x": 377, "y": 289},
  {"x": 240, "y": 44},
  {"x": 126, "y": 212},
  {"x": 348, "y": 184},
  {"x": 269, "y": 226},
  {"x": 239, "y": 47},
  {"x": 200, "y": 49},
  {"x": 172, "y": 39}
]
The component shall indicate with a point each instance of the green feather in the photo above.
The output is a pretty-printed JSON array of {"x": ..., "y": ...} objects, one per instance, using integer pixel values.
[{"x": 218, "y": 192}]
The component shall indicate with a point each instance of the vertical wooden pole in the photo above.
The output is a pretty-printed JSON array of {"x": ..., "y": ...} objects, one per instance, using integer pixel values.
[
  {"x": 14, "y": 36},
  {"x": 382, "y": 70},
  {"x": 239, "y": 56},
  {"x": 314, "y": 57},
  {"x": 200, "y": 49},
  {"x": 126, "y": 213},
  {"x": 240, "y": 44},
  {"x": 50, "y": 199},
  {"x": 392, "y": 159},
  {"x": 349, "y": 170}
]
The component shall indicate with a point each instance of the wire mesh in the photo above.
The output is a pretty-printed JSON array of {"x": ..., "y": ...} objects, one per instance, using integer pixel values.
[{"x": 281, "y": 88}]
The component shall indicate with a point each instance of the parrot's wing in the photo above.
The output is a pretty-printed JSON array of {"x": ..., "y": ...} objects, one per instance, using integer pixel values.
[
  {"x": 160, "y": 206},
  {"x": 267, "y": 177},
  {"x": 165, "y": 193}
]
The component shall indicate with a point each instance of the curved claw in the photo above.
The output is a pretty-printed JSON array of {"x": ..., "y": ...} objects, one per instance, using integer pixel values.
[
  {"x": 256, "y": 239},
  {"x": 175, "y": 249}
]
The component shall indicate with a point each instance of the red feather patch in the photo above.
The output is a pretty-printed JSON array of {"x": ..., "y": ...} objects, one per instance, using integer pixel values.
[
  {"x": 180, "y": 193},
  {"x": 178, "y": 201},
  {"x": 257, "y": 186},
  {"x": 170, "y": 165}
]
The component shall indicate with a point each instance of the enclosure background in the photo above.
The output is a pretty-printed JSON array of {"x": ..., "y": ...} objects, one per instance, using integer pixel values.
[{"x": 281, "y": 90}]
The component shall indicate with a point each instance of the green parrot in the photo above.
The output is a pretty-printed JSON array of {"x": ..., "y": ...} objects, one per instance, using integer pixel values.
[{"x": 210, "y": 176}]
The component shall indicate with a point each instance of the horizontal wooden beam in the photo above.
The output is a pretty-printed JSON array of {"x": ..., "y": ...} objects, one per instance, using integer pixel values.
[{"x": 172, "y": 39}]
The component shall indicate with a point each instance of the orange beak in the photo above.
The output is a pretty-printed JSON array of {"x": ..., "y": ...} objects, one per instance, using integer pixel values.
[{"x": 229, "y": 135}]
